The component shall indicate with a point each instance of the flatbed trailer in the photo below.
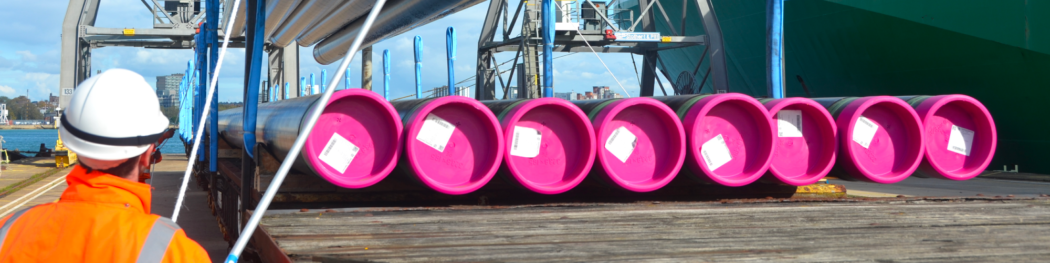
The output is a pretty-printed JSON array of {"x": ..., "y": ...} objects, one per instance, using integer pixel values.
[
  {"x": 781, "y": 230},
  {"x": 506, "y": 225}
]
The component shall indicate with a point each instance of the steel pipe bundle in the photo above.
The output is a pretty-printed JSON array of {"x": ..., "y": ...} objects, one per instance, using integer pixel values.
[
  {"x": 640, "y": 142},
  {"x": 453, "y": 144},
  {"x": 549, "y": 146},
  {"x": 729, "y": 136},
  {"x": 333, "y": 25},
  {"x": 356, "y": 146},
  {"x": 959, "y": 136},
  {"x": 308, "y": 13},
  {"x": 276, "y": 12},
  {"x": 237, "y": 30},
  {"x": 396, "y": 18},
  {"x": 881, "y": 138},
  {"x": 347, "y": 12},
  {"x": 805, "y": 141}
]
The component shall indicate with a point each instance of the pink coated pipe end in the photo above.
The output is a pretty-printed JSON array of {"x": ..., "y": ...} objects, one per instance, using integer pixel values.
[
  {"x": 939, "y": 114},
  {"x": 360, "y": 119},
  {"x": 745, "y": 148},
  {"x": 565, "y": 147},
  {"x": 658, "y": 150},
  {"x": 472, "y": 154},
  {"x": 805, "y": 147},
  {"x": 895, "y": 149}
]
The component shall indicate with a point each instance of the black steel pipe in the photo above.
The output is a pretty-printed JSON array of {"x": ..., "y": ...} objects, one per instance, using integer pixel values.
[
  {"x": 396, "y": 18},
  {"x": 349, "y": 11},
  {"x": 357, "y": 146}
]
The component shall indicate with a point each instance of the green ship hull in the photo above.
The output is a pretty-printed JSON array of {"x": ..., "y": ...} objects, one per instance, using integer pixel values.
[{"x": 995, "y": 51}]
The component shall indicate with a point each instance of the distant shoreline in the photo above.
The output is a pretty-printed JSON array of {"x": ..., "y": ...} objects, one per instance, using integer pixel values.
[
  {"x": 27, "y": 127},
  {"x": 42, "y": 127}
]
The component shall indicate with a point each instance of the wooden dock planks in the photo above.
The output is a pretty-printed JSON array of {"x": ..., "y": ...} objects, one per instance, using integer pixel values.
[{"x": 836, "y": 230}]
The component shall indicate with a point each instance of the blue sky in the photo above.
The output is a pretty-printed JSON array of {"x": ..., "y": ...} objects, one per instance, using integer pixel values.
[{"x": 30, "y": 53}]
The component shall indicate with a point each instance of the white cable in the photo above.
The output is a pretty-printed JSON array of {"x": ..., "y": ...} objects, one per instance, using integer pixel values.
[
  {"x": 297, "y": 146},
  {"x": 603, "y": 63},
  {"x": 204, "y": 116}
]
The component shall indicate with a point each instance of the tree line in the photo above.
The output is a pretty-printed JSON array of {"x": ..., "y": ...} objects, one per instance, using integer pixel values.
[{"x": 20, "y": 108}]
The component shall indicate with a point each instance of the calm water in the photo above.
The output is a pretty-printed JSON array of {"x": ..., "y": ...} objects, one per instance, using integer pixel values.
[{"x": 30, "y": 140}]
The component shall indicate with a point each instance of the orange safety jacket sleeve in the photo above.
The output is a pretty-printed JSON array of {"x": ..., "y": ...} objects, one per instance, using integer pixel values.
[
  {"x": 180, "y": 249},
  {"x": 100, "y": 218}
]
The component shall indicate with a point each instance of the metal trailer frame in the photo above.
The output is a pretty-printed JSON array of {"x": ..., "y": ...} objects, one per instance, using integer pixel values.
[
  {"x": 80, "y": 36},
  {"x": 171, "y": 30},
  {"x": 526, "y": 44}
]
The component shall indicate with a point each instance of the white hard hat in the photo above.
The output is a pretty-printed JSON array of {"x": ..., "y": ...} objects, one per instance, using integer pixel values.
[{"x": 112, "y": 116}]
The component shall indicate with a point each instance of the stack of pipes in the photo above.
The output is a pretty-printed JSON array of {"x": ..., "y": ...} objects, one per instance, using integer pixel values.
[{"x": 455, "y": 145}]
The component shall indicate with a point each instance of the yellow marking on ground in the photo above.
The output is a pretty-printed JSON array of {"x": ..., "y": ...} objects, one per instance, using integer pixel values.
[
  {"x": 820, "y": 189},
  {"x": 870, "y": 194}
]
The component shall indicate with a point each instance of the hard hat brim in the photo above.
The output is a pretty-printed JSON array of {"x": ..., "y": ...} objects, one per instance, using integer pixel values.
[{"x": 108, "y": 152}]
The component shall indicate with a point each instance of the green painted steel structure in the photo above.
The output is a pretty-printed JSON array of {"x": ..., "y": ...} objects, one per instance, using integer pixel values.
[{"x": 995, "y": 51}]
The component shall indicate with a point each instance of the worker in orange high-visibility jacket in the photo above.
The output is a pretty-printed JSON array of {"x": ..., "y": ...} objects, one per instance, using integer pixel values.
[{"x": 111, "y": 122}]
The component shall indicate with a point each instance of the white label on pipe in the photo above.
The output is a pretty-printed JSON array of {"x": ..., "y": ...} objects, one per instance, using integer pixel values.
[
  {"x": 960, "y": 140},
  {"x": 864, "y": 131},
  {"x": 338, "y": 153},
  {"x": 435, "y": 132},
  {"x": 715, "y": 152},
  {"x": 526, "y": 142},
  {"x": 621, "y": 143},
  {"x": 789, "y": 123}
]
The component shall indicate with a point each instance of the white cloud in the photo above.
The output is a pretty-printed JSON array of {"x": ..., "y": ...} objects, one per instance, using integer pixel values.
[
  {"x": 405, "y": 43},
  {"x": 36, "y": 76},
  {"x": 6, "y": 90},
  {"x": 40, "y": 84},
  {"x": 26, "y": 55},
  {"x": 5, "y": 63}
]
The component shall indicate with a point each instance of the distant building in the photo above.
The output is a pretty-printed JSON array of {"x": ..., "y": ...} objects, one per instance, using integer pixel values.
[
  {"x": 443, "y": 91},
  {"x": 3, "y": 115},
  {"x": 617, "y": 96},
  {"x": 590, "y": 96},
  {"x": 30, "y": 122},
  {"x": 565, "y": 95},
  {"x": 264, "y": 93},
  {"x": 463, "y": 91},
  {"x": 168, "y": 89},
  {"x": 513, "y": 90},
  {"x": 601, "y": 92},
  {"x": 579, "y": 96}
]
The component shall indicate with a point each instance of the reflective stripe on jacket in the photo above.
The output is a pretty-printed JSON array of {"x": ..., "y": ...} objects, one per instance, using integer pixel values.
[{"x": 99, "y": 218}]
